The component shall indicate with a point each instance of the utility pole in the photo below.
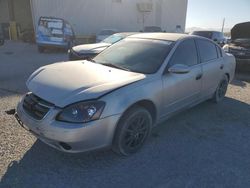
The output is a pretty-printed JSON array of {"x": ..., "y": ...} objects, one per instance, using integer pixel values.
[{"x": 223, "y": 24}]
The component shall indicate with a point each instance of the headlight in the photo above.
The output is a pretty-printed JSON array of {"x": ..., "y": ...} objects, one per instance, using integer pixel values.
[
  {"x": 81, "y": 112},
  {"x": 226, "y": 48},
  {"x": 70, "y": 50}
]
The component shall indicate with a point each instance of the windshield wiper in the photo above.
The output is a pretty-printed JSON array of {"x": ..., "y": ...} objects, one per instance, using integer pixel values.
[{"x": 115, "y": 66}]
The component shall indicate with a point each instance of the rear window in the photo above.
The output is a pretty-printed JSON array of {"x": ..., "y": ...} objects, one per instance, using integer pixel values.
[
  {"x": 50, "y": 27},
  {"x": 207, "y": 50}
]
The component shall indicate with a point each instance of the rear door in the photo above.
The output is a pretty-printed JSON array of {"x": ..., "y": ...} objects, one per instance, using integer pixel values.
[
  {"x": 50, "y": 30},
  {"x": 212, "y": 66},
  {"x": 180, "y": 90}
]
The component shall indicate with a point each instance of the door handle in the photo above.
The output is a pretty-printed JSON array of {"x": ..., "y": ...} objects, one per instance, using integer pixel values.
[
  {"x": 198, "y": 77},
  {"x": 221, "y": 67}
]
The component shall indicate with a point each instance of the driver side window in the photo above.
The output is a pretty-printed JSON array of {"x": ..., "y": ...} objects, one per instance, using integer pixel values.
[{"x": 185, "y": 54}]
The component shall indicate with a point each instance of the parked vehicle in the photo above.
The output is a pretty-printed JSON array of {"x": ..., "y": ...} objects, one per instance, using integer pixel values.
[
  {"x": 152, "y": 29},
  {"x": 240, "y": 45},
  {"x": 216, "y": 36},
  {"x": 103, "y": 34},
  {"x": 117, "y": 98},
  {"x": 89, "y": 51},
  {"x": 1, "y": 36},
  {"x": 54, "y": 32}
]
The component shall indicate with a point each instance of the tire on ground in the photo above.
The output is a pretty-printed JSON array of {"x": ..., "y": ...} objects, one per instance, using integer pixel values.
[{"x": 125, "y": 125}]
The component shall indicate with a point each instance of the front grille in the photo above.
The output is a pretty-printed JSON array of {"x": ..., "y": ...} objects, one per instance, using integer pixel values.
[{"x": 35, "y": 106}]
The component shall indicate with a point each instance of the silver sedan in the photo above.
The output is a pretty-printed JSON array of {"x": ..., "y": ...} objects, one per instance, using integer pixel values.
[{"x": 116, "y": 99}]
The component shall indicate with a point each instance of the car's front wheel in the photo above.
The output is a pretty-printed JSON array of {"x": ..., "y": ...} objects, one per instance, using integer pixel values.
[
  {"x": 132, "y": 131},
  {"x": 221, "y": 90}
]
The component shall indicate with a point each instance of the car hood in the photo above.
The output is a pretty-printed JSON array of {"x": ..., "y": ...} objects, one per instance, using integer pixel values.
[
  {"x": 240, "y": 44},
  {"x": 69, "y": 82},
  {"x": 90, "y": 48},
  {"x": 241, "y": 30}
]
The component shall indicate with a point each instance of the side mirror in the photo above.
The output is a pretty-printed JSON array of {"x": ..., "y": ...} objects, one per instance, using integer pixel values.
[
  {"x": 215, "y": 40},
  {"x": 179, "y": 69}
]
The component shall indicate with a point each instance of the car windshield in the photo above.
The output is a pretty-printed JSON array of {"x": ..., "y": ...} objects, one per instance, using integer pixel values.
[
  {"x": 136, "y": 55},
  {"x": 107, "y": 32},
  {"x": 206, "y": 34},
  {"x": 113, "y": 39}
]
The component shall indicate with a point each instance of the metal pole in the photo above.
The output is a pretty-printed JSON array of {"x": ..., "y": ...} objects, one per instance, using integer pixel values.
[{"x": 223, "y": 24}]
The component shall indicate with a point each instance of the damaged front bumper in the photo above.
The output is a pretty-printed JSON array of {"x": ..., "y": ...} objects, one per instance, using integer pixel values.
[{"x": 69, "y": 137}]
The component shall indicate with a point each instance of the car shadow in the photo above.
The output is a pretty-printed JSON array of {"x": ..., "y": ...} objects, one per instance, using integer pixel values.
[
  {"x": 55, "y": 51},
  {"x": 206, "y": 146},
  {"x": 243, "y": 76}
]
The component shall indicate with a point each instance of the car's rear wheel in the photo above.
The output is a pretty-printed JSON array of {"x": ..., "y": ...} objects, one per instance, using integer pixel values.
[
  {"x": 221, "y": 90},
  {"x": 1, "y": 42},
  {"x": 132, "y": 131}
]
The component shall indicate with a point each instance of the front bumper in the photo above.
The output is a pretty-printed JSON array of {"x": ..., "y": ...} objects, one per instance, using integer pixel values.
[
  {"x": 53, "y": 44},
  {"x": 243, "y": 65},
  {"x": 69, "y": 137},
  {"x": 240, "y": 54},
  {"x": 242, "y": 59}
]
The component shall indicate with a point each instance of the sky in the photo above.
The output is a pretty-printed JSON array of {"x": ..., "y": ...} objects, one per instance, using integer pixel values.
[{"x": 210, "y": 13}]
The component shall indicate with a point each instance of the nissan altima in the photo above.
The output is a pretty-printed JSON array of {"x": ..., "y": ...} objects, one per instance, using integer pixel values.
[{"x": 116, "y": 99}]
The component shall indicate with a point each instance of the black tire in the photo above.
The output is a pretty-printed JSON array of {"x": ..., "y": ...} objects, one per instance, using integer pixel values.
[
  {"x": 1, "y": 42},
  {"x": 221, "y": 90},
  {"x": 132, "y": 131},
  {"x": 40, "y": 49}
]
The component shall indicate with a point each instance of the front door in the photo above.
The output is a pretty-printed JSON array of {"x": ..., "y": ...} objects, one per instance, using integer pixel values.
[{"x": 180, "y": 90}]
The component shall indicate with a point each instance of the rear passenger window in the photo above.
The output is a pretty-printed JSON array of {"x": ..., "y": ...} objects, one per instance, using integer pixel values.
[
  {"x": 207, "y": 50},
  {"x": 185, "y": 54}
]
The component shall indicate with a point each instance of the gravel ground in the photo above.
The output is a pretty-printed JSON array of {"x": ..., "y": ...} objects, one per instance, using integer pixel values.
[{"x": 206, "y": 146}]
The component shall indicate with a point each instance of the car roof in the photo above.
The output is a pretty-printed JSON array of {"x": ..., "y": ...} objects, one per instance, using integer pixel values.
[
  {"x": 161, "y": 36},
  {"x": 206, "y": 31},
  {"x": 126, "y": 34},
  {"x": 108, "y": 29}
]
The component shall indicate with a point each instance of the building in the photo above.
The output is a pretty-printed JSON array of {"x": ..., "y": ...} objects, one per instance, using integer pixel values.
[
  {"x": 15, "y": 11},
  {"x": 90, "y": 16}
]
